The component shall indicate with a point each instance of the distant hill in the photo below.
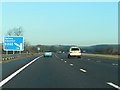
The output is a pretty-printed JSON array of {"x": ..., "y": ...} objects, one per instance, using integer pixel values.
[
  {"x": 103, "y": 46},
  {"x": 103, "y": 49}
]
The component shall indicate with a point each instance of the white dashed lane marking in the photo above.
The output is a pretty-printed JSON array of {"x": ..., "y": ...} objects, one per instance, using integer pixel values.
[
  {"x": 71, "y": 64},
  {"x": 56, "y": 56},
  {"x": 88, "y": 59},
  {"x": 83, "y": 70},
  {"x": 113, "y": 85},
  {"x": 114, "y": 64}
]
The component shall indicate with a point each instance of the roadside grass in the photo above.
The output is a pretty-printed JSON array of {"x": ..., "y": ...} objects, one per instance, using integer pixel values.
[{"x": 116, "y": 57}]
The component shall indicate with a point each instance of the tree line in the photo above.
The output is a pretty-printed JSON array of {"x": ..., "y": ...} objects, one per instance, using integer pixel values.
[
  {"x": 28, "y": 48},
  {"x": 104, "y": 50}
]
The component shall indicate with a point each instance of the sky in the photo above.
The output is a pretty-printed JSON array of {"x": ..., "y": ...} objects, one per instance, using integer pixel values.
[
  {"x": 63, "y": 23},
  {"x": 60, "y": 0}
]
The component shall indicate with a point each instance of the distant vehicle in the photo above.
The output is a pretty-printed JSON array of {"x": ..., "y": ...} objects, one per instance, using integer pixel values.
[
  {"x": 74, "y": 52},
  {"x": 48, "y": 54}
]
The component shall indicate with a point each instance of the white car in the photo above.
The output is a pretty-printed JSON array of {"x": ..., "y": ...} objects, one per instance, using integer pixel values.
[{"x": 74, "y": 52}]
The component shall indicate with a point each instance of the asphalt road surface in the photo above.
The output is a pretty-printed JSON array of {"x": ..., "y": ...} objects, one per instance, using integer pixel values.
[{"x": 60, "y": 72}]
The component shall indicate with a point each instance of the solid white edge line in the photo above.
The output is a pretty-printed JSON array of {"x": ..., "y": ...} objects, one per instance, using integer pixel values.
[
  {"x": 57, "y": 56},
  {"x": 15, "y": 73},
  {"x": 83, "y": 70},
  {"x": 113, "y": 85}
]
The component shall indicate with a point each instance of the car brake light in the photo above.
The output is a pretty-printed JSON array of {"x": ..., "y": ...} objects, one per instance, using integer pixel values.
[{"x": 70, "y": 52}]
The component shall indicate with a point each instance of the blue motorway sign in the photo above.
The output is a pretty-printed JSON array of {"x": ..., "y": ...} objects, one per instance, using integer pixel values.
[
  {"x": 15, "y": 43},
  {"x": 38, "y": 48}
]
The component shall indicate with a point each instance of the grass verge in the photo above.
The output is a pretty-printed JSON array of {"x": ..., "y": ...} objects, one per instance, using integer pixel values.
[{"x": 116, "y": 57}]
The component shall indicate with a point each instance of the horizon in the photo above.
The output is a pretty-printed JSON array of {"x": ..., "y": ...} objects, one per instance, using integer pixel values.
[
  {"x": 74, "y": 45},
  {"x": 66, "y": 44}
]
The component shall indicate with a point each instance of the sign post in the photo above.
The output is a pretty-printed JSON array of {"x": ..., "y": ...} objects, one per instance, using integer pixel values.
[
  {"x": 13, "y": 43},
  {"x": 13, "y": 52},
  {"x": 38, "y": 49},
  {"x": 19, "y": 52},
  {"x": 6, "y": 52}
]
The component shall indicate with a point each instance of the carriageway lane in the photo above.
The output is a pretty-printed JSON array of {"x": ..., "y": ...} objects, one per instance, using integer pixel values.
[
  {"x": 10, "y": 67},
  {"x": 106, "y": 72},
  {"x": 50, "y": 72}
]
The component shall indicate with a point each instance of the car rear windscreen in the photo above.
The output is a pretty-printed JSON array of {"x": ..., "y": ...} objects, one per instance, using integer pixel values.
[{"x": 74, "y": 49}]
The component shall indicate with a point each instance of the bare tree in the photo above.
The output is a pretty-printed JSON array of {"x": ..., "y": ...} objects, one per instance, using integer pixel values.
[
  {"x": 15, "y": 32},
  {"x": 9, "y": 33}
]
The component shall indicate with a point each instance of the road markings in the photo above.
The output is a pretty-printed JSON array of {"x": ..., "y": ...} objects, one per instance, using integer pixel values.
[
  {"x": 114, "y": 64},
  {"x": 113, "y": 85},
  {"x": 83, "y": 70},
  {"x": 65, "y": 61},
  {"x": 71, "y": 64},
  {"x": 57, "y": 56},
  {"x": 18, "y": 71},
  {"x": 88, "y": 59}
]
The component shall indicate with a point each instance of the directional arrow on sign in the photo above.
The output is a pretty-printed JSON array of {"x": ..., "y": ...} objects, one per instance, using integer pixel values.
[{"x": 19, "y": 45}]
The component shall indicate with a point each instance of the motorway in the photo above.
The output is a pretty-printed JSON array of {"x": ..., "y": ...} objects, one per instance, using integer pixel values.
[{"x": 60, "y": 72}]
